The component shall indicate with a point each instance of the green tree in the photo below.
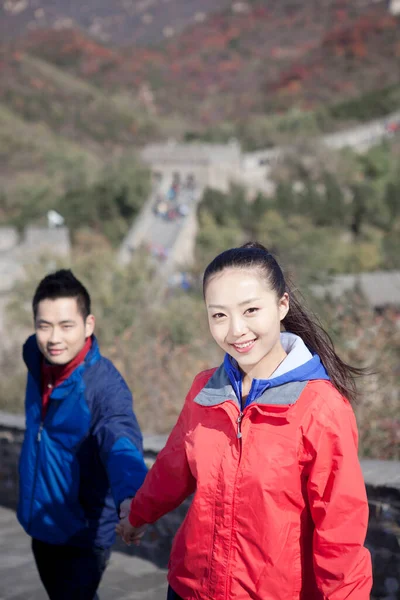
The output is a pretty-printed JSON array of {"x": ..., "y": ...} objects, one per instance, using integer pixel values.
[
  {"x": 109, "y": 204},
  {"x": 213, "y": 238}
]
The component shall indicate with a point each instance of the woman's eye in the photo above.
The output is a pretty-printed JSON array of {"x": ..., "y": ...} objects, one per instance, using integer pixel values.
[
  {"x": 218, "y": 315},
  {"x": 252, "y": 310}
]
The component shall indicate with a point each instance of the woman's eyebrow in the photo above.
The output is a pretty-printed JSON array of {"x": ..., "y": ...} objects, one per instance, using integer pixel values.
[
  {"x": 240, "y": 303},
  {"x": 249, "y": 301}
]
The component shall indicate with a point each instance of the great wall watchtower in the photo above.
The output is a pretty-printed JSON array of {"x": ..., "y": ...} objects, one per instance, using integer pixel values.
[{"x": 394, "y": 7}]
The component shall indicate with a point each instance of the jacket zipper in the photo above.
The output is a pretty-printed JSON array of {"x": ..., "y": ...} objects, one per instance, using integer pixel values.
[
  {"x": 38, "y": 440},
  {"x": 239, "y": 437},
  {"x": 39, "y": 433},
  {"x": 239, "y": 424}
]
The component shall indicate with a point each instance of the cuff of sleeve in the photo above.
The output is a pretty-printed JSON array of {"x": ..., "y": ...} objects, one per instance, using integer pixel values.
[{"x": 135, "y": 520}]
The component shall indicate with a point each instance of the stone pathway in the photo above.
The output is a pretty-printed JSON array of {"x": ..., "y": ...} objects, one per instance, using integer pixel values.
[{"x": 126, "y": 578}]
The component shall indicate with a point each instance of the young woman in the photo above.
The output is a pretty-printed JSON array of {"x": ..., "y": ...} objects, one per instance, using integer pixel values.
[{"x": 267, "y": 443}]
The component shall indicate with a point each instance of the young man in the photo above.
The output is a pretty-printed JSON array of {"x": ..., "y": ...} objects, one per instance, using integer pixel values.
[{"x": 82, "y": 452}]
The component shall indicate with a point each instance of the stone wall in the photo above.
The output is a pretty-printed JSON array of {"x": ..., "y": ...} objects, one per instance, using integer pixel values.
[
  {"x": 394, "y": 7},
  {"x": 16, "y": 253},
  {"x": 383, "y": 540},
  {"x": 11, "y": 436},
  {"x": 382, "y": 481}
]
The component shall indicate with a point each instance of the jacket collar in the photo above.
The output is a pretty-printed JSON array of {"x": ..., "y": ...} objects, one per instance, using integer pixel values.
[
  {"x": 219, "y": 389},
  {"x": 290, "y": 378},
  {"x": 56, "y": 374},
  {"x": 33, "y": 359}
]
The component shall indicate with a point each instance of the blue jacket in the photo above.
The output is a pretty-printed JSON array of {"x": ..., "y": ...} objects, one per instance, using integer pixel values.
[{"x": 84, "y": 459}]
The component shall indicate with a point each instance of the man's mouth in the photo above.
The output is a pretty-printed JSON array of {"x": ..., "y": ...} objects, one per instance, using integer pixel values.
[{"x": 55, "y": 351}]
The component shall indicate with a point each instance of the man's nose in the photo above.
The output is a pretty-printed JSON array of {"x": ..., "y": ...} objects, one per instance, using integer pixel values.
[{"x": 54, "y": 336}]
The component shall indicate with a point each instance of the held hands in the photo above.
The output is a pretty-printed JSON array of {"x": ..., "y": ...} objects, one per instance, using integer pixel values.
[{"x": 128, "y": 533}]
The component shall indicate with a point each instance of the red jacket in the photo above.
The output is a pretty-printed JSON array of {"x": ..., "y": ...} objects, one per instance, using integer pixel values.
[{"x": 279, "y": 513}]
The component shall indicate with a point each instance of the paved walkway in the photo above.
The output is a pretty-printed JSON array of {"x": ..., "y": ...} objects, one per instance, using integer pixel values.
[{"x": 126, "y": 578}]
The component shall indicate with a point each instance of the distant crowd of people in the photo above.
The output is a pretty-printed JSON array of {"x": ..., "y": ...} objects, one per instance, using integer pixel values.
[{"x": 171, "y": 206}]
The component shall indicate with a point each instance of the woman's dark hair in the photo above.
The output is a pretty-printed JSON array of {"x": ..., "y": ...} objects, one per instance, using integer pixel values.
[
  {"x": 298, "y": 320},
  {"x": 62, "y": 284}
]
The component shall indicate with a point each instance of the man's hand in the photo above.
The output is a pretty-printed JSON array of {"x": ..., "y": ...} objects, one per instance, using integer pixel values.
[{"x": 129, "y": 533}]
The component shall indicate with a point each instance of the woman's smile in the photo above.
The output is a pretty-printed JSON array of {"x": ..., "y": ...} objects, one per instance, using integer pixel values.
[{"x": 243, "y": 347}]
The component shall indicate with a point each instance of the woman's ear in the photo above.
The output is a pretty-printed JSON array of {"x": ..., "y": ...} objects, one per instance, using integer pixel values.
[{"x": 283, "y": 306}]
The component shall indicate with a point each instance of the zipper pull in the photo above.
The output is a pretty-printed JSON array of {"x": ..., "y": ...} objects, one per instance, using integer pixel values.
[
  {"x": 39, "y": 435},
  {"x": 239, "y": 421}
]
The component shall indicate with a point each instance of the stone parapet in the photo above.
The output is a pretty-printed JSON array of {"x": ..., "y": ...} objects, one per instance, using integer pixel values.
[{"x": 382, "y": 480}]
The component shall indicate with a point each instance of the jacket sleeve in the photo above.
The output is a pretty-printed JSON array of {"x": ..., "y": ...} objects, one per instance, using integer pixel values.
[
  {"x": 169, "y": 481},
  {"x": 338, "y": 503},
  {"x": 119, "y": 440}
]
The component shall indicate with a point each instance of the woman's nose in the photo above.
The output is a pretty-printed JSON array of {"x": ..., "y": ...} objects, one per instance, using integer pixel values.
[{"x": 238, "y": 327}]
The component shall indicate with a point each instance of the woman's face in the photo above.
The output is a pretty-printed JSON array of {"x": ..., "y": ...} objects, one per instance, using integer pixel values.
[{"x": 244, "y": 315}]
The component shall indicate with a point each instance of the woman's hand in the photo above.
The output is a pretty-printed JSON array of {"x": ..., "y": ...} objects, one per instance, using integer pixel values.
[
  {"x": 125, "y": 507},
  {"x": 130, "y": 534}
]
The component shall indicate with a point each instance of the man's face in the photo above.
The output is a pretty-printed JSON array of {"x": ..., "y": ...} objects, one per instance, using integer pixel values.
[{"x": 61, "y": 330}]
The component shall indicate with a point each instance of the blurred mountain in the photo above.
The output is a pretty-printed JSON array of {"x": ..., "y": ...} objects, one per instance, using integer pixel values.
[
  {"x": 58, "y": 131},
  {"x": 38, "y": 91},
  {"x": 274, "y": 56},
  {"x": 120, "y": 22},
  {"x": 251, "y": 58}
]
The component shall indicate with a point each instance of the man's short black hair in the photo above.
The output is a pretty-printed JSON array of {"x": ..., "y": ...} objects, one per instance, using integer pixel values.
[{"x": 62, "y": 284}]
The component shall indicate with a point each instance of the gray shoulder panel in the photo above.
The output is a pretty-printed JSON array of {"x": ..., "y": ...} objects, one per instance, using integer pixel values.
[
  {"x": 217, "y": 389},
  {"x": 287, "y": 393}
]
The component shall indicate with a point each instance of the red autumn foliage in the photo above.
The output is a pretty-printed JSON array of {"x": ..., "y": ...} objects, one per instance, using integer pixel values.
[{"x": 301, "y": 51}]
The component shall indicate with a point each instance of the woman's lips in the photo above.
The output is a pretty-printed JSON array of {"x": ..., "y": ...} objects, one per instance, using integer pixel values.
[{"x": 244, "y": 346}]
